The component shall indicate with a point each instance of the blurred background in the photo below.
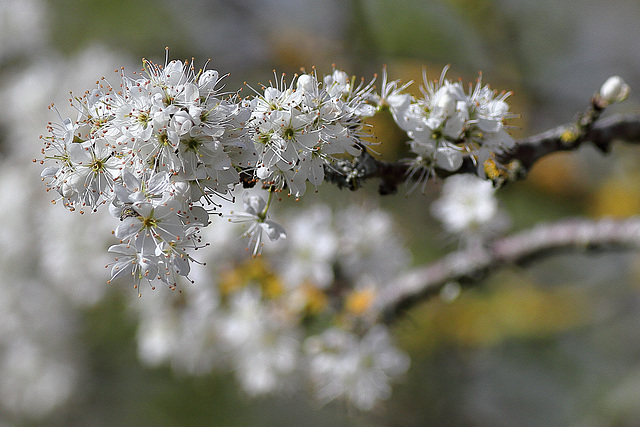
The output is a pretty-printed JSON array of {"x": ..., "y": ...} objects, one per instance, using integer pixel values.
[{"x": 557, "y": 343}]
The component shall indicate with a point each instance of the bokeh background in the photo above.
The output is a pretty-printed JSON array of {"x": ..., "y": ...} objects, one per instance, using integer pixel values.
[{"x": 557, "y": 343}]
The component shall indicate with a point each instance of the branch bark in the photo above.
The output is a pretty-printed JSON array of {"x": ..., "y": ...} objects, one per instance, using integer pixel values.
[
  {"x": 566, "y": 137},
  {"x": 624, "y": 127},
  {"x": 470, "y": 266}
]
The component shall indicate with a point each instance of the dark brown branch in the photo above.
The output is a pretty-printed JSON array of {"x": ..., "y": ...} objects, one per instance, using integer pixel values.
[
  {"x": 469, "y": 267},
  {"x": 624, "y": 127},
  {"x": 517, "y": 162}
]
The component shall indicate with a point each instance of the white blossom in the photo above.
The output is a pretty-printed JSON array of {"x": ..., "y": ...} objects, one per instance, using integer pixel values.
[
  {"x": 357, "y": 369},
  {"x": 468, "y": 208},
  {"x": 300, "y": 129},
  {"x": 255, "y": 220},
  {"x": 369, "y": 249},
  {"x": 153, "y": 151},
  {"x": 265, "y": 348},
  {"x": 311, "y": 249},
  {"x": 447, "y": 123}
]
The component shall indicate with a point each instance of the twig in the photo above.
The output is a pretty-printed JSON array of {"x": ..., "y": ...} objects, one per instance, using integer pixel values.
[
  {"x": 517, "y": 162},
  {"x": 470, "y": 266}
]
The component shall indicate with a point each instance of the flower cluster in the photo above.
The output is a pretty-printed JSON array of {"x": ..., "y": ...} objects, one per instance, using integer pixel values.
[
  {"x": 299, "y": 130},
  {"x": 161, "y": 148},
  {"x": 446, "y": 123},
  {"x": 165, "y": 145},
  {"x": 150, "y": 149},
  {"x": 294, "y": 316}
]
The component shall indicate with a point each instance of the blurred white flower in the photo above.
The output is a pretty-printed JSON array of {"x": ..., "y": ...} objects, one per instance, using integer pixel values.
[
  {"x": 256, "y": 328},
  {"x": 264, "y": 347},
  {"x": 56, "y": 262},
  {"x": 39, "y": 362},
  {"x": 33, "y": 382},
  {"x": 268, "y": 363},
  {"x": 369, "y": 249},
  {"x": 311, "y": 248},
  {"x": 468, "y": 207},
  {"x": 180, "y": 329},
  {"x": 356, "y": 369}
]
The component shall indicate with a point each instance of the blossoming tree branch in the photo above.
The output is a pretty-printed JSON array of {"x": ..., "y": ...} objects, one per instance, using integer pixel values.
[{"x": 168, "y": 151}]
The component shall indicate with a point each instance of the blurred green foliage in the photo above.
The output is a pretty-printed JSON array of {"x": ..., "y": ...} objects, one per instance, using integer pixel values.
[{"x": 140, "y": 27}]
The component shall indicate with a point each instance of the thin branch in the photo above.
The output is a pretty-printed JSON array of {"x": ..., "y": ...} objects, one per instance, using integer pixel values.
[
  {"x": 620, "y": 127},
  {"x": 517, "y": 162},
  {"x": 470, "y": 266}
]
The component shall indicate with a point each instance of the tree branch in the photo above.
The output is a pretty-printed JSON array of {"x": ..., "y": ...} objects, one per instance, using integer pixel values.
[
  {"x": 617, "y": 127},
  {"x": 516, "y": 163},
  {"x": 468, "y": 267}
]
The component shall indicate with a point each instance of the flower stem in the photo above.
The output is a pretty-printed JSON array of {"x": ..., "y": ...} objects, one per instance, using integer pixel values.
[{"x": 263, "y": 215}]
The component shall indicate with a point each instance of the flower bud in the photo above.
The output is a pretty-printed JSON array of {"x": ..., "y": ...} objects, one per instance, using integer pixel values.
[
  {"x": 614, "y": 90},
  {"x": 306, "y": 83},
  {"x": 446, "y": 104}
]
